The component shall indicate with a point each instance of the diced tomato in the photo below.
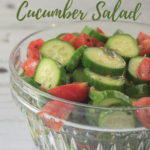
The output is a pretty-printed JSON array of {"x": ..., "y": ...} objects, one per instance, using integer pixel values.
[
  {"x": 29, "y": 67},
  {"x": 143, "y": 115},
  {"x": 57, "y": 110},
  {"x": 82, "y": 39},
  {"x": 100, "y": 31},
  {"x": 33, "y": 49},
  {"x": 141, "y": 37},
  {"x": 69, "y": 37},
  {"x": 36, "y": 43},
  {"x": 144, "y": 47},
  {"x": 99, "y": 44},
  {"x": 33, "y": 53},
  {"x": 76, "y": 92},
  {"x": 144, "y": 69}
]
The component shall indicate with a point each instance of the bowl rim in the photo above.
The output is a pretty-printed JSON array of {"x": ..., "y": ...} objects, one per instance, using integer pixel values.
[{"x": 47, "y": 95}]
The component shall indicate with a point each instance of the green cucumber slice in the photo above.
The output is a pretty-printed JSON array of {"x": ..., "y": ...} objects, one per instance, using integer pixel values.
[
  {"x": 118, "y": 105},
  {"x": 77, "y": 75},
  {"x": 118, "y": 32},
  {"x": 138, "y": 91},
  {"x": 116, "y": 119},
  {"x": 31, "y": 81},
  {"x": 124, "y": 45},
  {"x": 132, "y": 100},
  {"x": 94, "y": 34},
  {"x": 57, "y": 49},
  {"x": 49, "y": 74},
  {"x": 103, "y": 61},
  {"x": 92, "y": 93},
  {"x": 109, "y": 97},
  {"x": 68, "y": 77},
  {"x": 21, "y": 72},
  {"x": 132, "y": 71},
  {"x": 102, "y": 82},
  {"x": 91, "y": 115},
  {"x": 75, "y": 58}
]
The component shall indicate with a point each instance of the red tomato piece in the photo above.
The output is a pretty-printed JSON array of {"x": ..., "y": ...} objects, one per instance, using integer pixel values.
[
  {"x": 141, "y": 37},
  {"x": 144, "y": 69},
  {"x": 33, "y": 49},
  {"x": 82, "y": 39},
  {"x": 57, "y": 110},
  {"x": 36, "y": 43},
  {"x": 143, "y": 115},
  {"x": 69, "y": 37},
  {"x": 100, "y": 31},
  {"x": 33, "y": 53},
  {"x": 99, "y": 44},
  {"x": 144, "y": 47},
  {"x": 29, "y": 67},
  {"x": 76, "y": 92}
]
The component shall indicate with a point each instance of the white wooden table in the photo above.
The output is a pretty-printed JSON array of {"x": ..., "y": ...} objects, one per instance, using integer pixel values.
[{"x": 14, "y": 134}]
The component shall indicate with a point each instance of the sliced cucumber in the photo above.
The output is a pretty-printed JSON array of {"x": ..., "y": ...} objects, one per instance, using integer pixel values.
[
  {"x": 128, "y": 84},
  {"x": 118, "y": 105},
  {"x": 118, "y": 32},
  {"x": 94, "y": 34},
  {"x": 109, "y": 97},
  {"x": 31, "y": 81},
  {"x": 77, "y": 75},
  {"x": 102, "y": 82},
  {"x": 49, "y": 74},
  {"x": 75, "y": 58},
  {"x": 58, "y": 50},
  {"x": 116, "y": 119},
  {"x": 68, "y": 76},
  {"x": 91, "y": 115},
  {"x": 132, "y": 71},
  {"x": 21, "y": 72},
  {"x": 103, "y": 61},
  {"x": 132, "y": 100},
  {"x": 124, "y": 45},
  {"x": 93, "y": 92},
  {"x": 138, "y": 91}
]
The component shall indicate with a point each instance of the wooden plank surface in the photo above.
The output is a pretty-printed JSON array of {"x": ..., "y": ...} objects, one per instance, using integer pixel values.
[{"x": 14, "y": 134}]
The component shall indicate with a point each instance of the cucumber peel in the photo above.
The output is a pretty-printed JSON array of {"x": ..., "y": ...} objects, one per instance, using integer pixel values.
[{"x": 109, "y": 97}]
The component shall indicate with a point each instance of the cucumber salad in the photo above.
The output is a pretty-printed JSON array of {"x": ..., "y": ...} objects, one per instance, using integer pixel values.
[{"x": 93, "y": 68}]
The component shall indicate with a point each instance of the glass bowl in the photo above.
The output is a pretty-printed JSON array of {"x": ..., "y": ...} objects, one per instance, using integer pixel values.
[{"x": 75, "y": 133}]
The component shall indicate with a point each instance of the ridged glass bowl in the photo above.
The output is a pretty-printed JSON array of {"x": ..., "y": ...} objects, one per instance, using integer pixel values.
[{"x": 75, "y": 133}]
